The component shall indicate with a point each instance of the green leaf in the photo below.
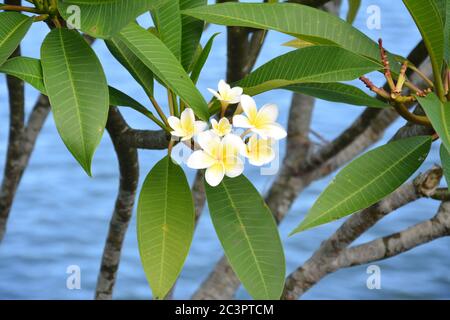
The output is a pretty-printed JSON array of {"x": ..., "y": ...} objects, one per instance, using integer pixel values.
[
  {"x": 367, "y": 180},
  {"x": 446, "y": 22},
  {"x": 353, "y": 8},
  {"x": 310, "y": 64},
  {"x": 445, "y": 160},
  {"x": 439, "y": 115},
  {"x": 104, "y": 18},
  {"x": 78, "y": 92},
  {"x": 13, "y": 27},
  {"x": 132, "y": 63},
  {"x": 200, "y": 62},
  {"x": 192, "y": 30},
  {"x": 338, "y": 92},
  {"x": 428, "y": 19},
  {"x": 298, "y": 20},
  {"x": 165, "y": 225},
  {"x": 26, "y": 69},
  {"x": 158, "y": 58},
  {"x": 249, "y": 236},
  {"x": 167, "y": 19},
  {"x": 118, "y": 98}
]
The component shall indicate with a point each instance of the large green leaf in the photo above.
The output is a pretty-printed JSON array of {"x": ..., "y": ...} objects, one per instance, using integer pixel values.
[
  {"x": 78, "y": 92},
  {"x": 446, "y": 23},
  {"x": 353, "y": 8},
  {"x": 192, "y": 30},
  {"x": 439, "y": 115},
  {"x": 167, "y": 19},
  {"x": 249, "y": 236},
  {"x": 367, "y": 180},
  {"x": 310, "y": 64},
  {"x": 299, "y": 20},
  {"x": 165, "y": 225},
  {"x": 445, "y": 160},
  {"x": 26, "y": 69},
  {"x": 200, "y": 62},
  {"x": 30, "y": 71},
  {"x": 428, "y": 19},
  {"x": 160, "y": 60},
  {"x": 104, "y": 18},
  {"x": 133, "y": 64},
  {"x": 338, "y": 92},
  {"x": 13, "y": 27}
]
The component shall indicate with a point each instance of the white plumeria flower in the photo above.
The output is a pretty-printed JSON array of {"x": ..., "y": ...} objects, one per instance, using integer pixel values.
[
  {"x": 262, "y": 122},
  {"x": 220, "y": 157},
  {"x": 259, "y": 151},
  {"x": 227, "y": 95},
  {"x": 186, "y": 127},
  {"x": 221, "y": 128}
]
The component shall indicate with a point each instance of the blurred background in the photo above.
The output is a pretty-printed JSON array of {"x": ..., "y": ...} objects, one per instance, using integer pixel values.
[{"x": 61, "y": 217}]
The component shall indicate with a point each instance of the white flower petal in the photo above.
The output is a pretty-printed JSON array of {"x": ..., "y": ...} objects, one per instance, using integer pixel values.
[
  {"x": 223, "y": 87},
  {"x": 236, "y": 94},
  {"x": 241, "y": 121},
  {"x": 215, "y": 93},
  {"x": 261, "y": 132},
  {"x": 174, "y": 123},
  {"x": 209, "y": 141},
  {"x": 200, "y": 126},
  {"x": 268, "y": 114},
  {"x": 249, "y": 106},
  {"x": 233, "y": 144},
  {"x": 187, "y": 119},
  {"x": 214, "y": 174},
  {"x": 177, "y": 133},
  {"x": 275, "y": 131},
  {"x": 234, "y": 167},
  {"x": 200, "y": 160}
]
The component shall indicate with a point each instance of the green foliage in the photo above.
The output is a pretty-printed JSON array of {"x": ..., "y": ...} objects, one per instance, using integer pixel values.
[
  {"x": 102, "y": 19},
  {"x": 367, "y": 180},
  {"x": 249, "y": 236},
  {"x": 445, "y": 160},
  {"x": 138, "y": 70},
  {"x": 192, "y": 30},
  {"x": 200, "y": 62},
  {"x": 353, "y": 8},
  {"x": 301, "y": 21},
  {"x": 310, "y": 64},
  {"x": 13, "y": 27},
  {"x": 158, "y": 58},
  {"x": 165, "y": 225},
  {"x": 439, "y": 115},
  {"x": 167, "y": 19},
  {"x": 26, "y": 69},
  {"x": 428, "y": 19},
  {"x": 338, "y": 92},
  {"x": 78, "y": 92}
]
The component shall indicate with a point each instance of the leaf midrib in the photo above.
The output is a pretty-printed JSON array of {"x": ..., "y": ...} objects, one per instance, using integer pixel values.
[
  {"x": 364, "y": 187},
  {"x": 77, "y": 102},
  {"x": 13, "y": 31},
  {"x": 246, "y": 238},
  {"x": 164, "y": 235}
]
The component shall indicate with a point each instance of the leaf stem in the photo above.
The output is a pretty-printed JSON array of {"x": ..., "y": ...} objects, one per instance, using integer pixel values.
[
  {"x": 10, "y": 7},
  {"x": 159, "y": 111},
  {"x": 403, "y": 111},
  {"x": 172, "y": 110}
]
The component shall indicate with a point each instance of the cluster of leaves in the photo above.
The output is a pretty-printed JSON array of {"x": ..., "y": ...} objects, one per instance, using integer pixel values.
[{"x": 330, "y": 52}]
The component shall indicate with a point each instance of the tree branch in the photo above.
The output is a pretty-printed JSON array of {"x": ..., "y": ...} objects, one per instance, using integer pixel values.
[
  {"x": 397, "y": 243},
  {"x": 321, "y": 262},
  {"x": 129, "y": 177}
]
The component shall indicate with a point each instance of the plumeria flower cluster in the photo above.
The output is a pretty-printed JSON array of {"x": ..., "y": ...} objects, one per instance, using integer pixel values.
[{"x": 220, "y": 149}]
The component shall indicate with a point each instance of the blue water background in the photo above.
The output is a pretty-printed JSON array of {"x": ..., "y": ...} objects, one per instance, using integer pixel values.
[{"x": 61, "y": 216}]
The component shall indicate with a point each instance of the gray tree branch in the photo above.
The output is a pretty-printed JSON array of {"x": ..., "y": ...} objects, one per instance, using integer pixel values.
[
  {"x": 321, "y": 262},
  {"x": 129, "y": 177}
]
